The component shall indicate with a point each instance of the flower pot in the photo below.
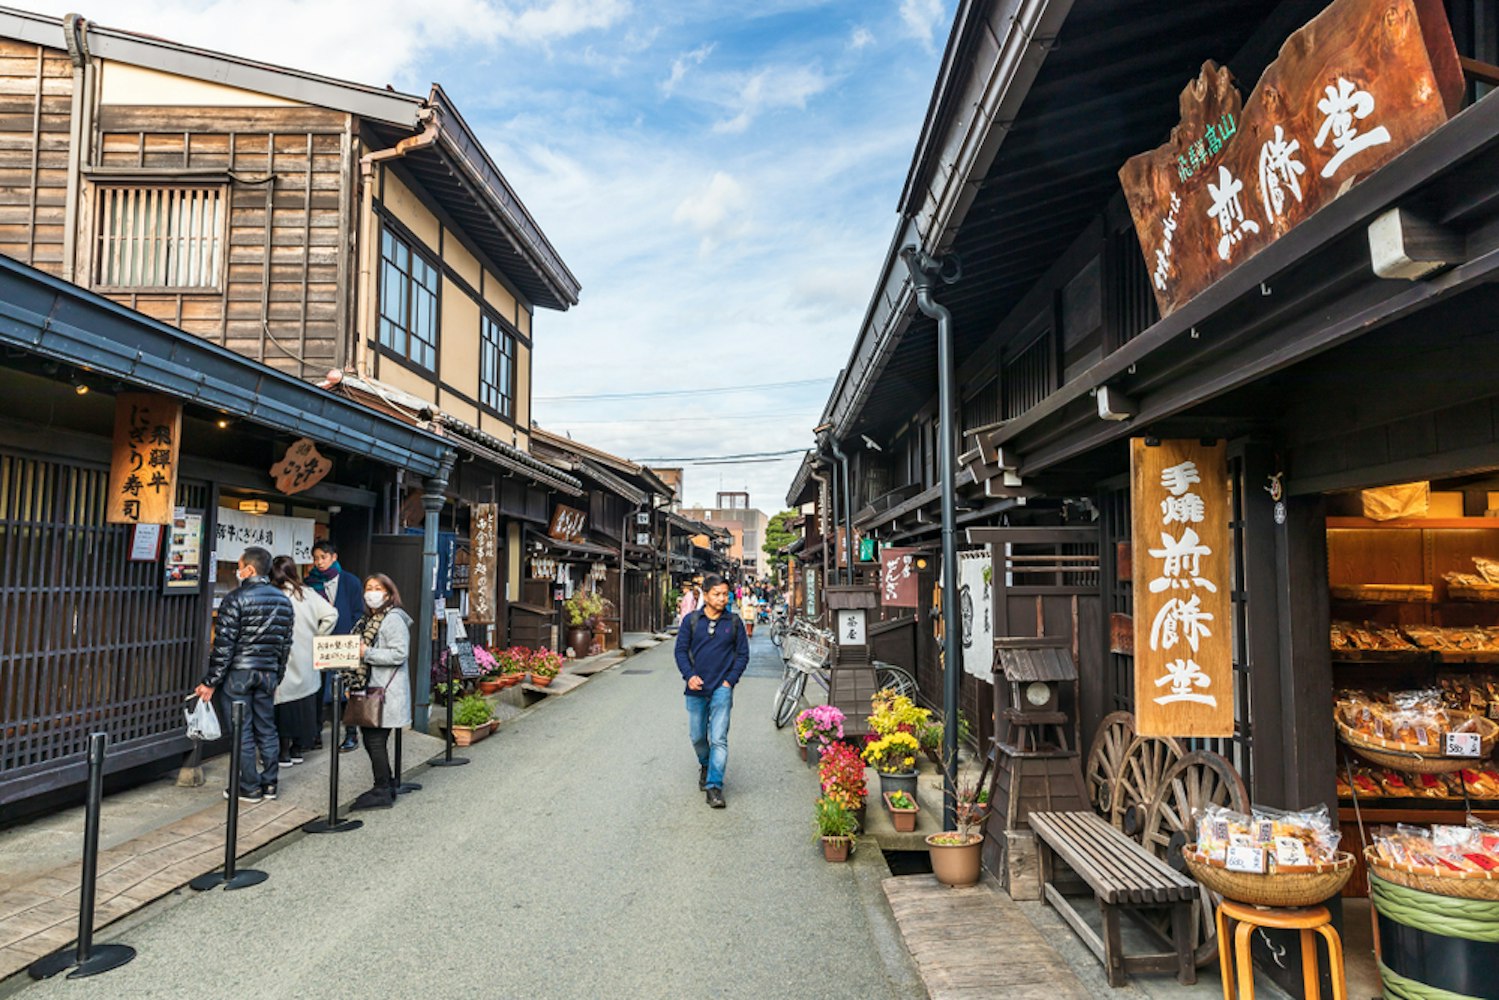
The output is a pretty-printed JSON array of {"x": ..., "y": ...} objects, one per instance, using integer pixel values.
[
  {"x": 510, "y": 680},
  {"x": 578, "y": 640},
  {"x": 859, "y": 815},
  {"x": 835, "y": 848},
  {"x": 467, "y": 735},
  {"x": 490, "y": 687},
  {"x": 540, "y": 681},
  {"x": 956, "y": 864},
  {"x": 904, "y": 820},
  {"x": 904, "y": 781},
  {"x": 803, "y": 748}
]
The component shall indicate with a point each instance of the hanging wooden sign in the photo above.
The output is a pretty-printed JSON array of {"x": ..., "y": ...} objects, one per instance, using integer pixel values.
[
  {"x": 483, "y": 569},
  {"x": 567, "y": 523},
  {"x": 143, "y": 465},
  {"x": 1353, "y": 88},
  {"x": 302, "y": 467},
  {"x": 1182, "y": 578},
  {"x": 898, "y": 578}
]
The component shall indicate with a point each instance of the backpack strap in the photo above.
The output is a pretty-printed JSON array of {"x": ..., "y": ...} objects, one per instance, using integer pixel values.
[{"x": 690, "y": 623}]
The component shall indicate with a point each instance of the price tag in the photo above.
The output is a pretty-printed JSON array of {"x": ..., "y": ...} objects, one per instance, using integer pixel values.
[
  {"x": 1462, "y": 745},
  {"x": 1246, "y": 859},
  {"x": 1264, "y": 832},
  {"x": 1290, "y": 851}
]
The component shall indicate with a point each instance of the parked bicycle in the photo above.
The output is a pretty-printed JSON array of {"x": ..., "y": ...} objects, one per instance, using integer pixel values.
[{"x": 806, "y": 651}]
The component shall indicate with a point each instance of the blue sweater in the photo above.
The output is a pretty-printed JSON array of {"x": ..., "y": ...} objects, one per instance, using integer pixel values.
[{"x": 715, "y": 658}]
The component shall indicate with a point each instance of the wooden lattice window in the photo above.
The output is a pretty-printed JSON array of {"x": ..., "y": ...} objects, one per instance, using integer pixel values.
[
  {"x": 408, "y": 301},
  {"x": 159, "y": 237},
  {"x": 496, "y": 366}
]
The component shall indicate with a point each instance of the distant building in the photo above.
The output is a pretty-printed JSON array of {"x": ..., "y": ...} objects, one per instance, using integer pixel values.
[
  {"x": 746, "y": 524},
  {"x": 672, "y": 478}
]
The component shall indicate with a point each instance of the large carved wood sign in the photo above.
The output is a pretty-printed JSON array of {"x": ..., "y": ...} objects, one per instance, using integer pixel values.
[{"x": 1352, "y": 89}]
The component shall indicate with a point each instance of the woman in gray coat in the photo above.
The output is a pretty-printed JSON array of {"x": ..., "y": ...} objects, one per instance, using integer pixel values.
[{"x": 384, "y": 631}]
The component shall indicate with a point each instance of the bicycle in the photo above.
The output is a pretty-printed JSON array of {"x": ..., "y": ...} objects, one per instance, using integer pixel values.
[{"x": 805, "y": 651}]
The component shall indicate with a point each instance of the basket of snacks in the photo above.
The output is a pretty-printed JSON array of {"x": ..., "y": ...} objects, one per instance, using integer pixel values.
[
  {"x": 1408, "y": 731},
  {"x": 1268, "y": 858},
  {"x": 1459, "y": 861}
]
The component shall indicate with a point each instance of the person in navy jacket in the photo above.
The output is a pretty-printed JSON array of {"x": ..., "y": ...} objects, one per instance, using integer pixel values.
[
  {"x": 345, "y": 592},
  {"x": 712, "y": 651}
]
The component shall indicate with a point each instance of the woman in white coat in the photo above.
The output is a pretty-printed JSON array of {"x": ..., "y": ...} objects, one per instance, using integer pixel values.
[
  {"x": 296, "y": 695},
  {"x": 384, "y": 643}
]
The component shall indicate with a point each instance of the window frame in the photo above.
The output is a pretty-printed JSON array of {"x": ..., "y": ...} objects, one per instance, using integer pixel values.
[
  {"x": 220, "y": 235},
  {"x": 415, "y": 252},
  {"x": 491, "y": 322}
]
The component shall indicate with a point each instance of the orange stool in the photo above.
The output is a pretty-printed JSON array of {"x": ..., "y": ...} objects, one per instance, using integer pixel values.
[{"x": 1309, "y": 920}]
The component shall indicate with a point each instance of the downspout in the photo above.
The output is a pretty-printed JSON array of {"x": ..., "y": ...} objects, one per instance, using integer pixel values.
[
  {"x": 75, "y": 34},
  {"x": 431, "y": 131},
  {"x": 848, "y": 512},
  {"x": 925, "y": 271}
]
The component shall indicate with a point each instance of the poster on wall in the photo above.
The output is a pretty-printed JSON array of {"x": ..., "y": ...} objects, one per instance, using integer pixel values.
[
  {"x": 1181, "y": 578},
  {"x": 143, "y": 461},
  {"x": 184, "y": 561},
  {"x": 975, "y": 601},
  {"x": 282, "y": 536}
]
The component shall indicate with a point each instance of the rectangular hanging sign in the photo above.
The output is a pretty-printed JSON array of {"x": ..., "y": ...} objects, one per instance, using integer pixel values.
[
  {"x": 898, "y": 578},
  {"x": 1182, "y": 580},
  {"x": 143, "y": 464}
]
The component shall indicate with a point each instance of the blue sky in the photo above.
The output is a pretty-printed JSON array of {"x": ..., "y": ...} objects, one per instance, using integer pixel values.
[{"x": 721, "y": 177}]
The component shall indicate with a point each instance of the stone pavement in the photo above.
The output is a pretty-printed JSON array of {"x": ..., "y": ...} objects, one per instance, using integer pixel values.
[{"x": 574, "y": 857}]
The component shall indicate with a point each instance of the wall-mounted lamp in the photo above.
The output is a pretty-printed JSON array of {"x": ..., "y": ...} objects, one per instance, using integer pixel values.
[
  {"x": 79, "y": 386},
  {"x": 253, "y": 506},
  {"x": 222, "y": 423},
  {"x": 870, "y": 443}
]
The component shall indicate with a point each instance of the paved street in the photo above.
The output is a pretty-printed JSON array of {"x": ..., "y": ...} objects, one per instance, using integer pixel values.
[{"x": 573, "y": 858}]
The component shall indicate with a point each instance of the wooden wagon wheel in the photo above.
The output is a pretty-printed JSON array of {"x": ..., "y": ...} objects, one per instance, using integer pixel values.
[
  {"x": 1198, "y": 780},
  {"x": 1106, "y": 759},
  {"x": 1145, "y": 765}
]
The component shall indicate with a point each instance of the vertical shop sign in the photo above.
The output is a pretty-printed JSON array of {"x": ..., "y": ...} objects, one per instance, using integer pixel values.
[
  {"x": 483, "y": 562},
  {"x": 1183, "y": 633},
  {"x": 1352, "y": 89},
  {"x": 898, "y": 578},
  {"x": 143, "y": 466}
]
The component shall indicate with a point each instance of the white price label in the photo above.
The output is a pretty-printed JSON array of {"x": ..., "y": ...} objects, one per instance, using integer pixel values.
[
  {"x": 1290, "y": 851},
  {"x": 1245, "y": 859},
  {"x": 1462, "y": 745}
]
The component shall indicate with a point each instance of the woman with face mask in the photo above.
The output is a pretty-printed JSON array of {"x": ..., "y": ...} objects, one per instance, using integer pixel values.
[{"x": 384, "y": 632}]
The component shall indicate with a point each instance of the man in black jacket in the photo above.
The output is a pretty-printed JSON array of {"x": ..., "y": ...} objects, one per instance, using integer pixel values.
[{"x": 251, "y": 641}]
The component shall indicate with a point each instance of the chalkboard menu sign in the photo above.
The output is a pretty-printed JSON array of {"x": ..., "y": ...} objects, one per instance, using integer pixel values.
[{"x": 468, "y": 666}]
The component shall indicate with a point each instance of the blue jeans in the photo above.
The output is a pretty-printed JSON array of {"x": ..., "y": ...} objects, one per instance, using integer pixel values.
[
  {"x": 708, "y": 726},
  {"x": 257, "y": 689}
]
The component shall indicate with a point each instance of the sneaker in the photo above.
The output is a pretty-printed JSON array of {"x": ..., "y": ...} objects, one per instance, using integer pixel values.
[
  {"x": 269, "y": 791},
  {"x": 351, "y": 741},
  {"x": 287, "y": 760},
  {"x": 715, "y": 798},
  {"x": 251, "y": 797},
  {"x": 702, "y": 777},
  {"x": 296, "y": 755}
]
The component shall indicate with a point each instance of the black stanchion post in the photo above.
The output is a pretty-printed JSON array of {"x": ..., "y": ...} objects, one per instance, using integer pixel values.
[
  {"x": 230, "y": 878},
  {"x": 447, "y": 759},
  {"x": 333, "y": 824},
  {"x": 402, "y": 787},
  {"x": 89, "y": 959}
]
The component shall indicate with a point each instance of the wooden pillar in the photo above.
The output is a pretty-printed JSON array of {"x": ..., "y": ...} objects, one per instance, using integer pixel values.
[
  {"x": 1261, "y": 646},
  {"x": 1306, "y": 701}
]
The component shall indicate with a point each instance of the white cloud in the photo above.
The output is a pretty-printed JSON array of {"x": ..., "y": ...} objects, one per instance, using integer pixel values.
[
  {"x": 715, "y": 212},
  {"x": 921, "y": 18},
  {"x": 861, "y": 38},
  {"x": 769, "y": 89},
  {"x": 683, "y": 63}
]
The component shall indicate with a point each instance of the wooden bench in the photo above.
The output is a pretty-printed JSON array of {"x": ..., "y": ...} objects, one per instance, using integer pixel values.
[{"x": 1122, "y": 876}]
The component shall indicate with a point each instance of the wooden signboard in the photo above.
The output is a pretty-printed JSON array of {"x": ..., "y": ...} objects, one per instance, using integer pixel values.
[
  {"x": 567, "y": 523},
  {"x": 302, "y": 467},
  {"x": 1353, "y": 88},
  {"x": 898, "y": 578},
  {"x": 1183, "y": 636},
  {"x": 483, "y": 567},
  {"x": 143, "y": 465}
]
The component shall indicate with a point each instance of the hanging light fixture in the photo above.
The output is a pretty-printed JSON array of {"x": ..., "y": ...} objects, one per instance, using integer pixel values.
[{"x": 254, "y": 506}]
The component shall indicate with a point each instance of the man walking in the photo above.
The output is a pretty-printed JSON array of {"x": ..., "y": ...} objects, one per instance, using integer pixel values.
[
  {"x": 712, "y": 652},
  {"x": 345, "y": 592},
  {"x": 251, "y": 642}
]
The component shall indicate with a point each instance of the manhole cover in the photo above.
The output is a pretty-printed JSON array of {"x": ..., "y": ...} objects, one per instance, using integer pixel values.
[{"x": 634, "y": 671}]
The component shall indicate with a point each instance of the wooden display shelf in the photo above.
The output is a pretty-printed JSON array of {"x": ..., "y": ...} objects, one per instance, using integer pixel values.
[
  {"x": 1432, "y": 811},
  {"x": 1415, "y": 657},
  {"x": 1416, "y": 523}
]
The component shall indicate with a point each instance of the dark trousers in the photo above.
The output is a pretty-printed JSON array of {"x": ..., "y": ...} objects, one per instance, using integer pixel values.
[
  {"x": 297, "y": 722},
  {"x": 377, "y": 745},
  {"x": 257, "y": 689}
]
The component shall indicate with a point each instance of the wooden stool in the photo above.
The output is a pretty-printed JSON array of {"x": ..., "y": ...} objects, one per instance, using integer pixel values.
[{"x": 1308, "y": 920}]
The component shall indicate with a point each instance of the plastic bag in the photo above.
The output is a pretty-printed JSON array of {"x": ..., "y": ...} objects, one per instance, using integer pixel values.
[{"x": 202, "y": 720}]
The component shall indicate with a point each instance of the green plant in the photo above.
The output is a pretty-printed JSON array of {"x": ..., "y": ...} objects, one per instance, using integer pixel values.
[
  {"x": 893, "y": 754},
  {"x": 583, "y": 608},
  {"x": 833, "y": 819},
  {"x": 900, "y": 800},
  {"x": 471, "y": 711}
]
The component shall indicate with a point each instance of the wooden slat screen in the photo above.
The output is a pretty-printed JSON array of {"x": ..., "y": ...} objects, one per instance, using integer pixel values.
[
  {"x": 1130, "y": 306},
  {"x": 87, "y": 640},
  {"x": 160, "y": 238},
  {"x": 1028, "y": 377}
]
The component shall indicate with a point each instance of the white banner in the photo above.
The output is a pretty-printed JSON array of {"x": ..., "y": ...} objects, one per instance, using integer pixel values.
[
  {"x": 283, "y": 536},
  {"x": 974, "y": 608}
]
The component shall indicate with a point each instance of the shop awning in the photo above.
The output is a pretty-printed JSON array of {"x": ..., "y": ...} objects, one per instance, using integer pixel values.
[
  {"x": 53, "y": 318},
  {"x": 587, "y": 549},
  {"x": 612, "y": 483}
]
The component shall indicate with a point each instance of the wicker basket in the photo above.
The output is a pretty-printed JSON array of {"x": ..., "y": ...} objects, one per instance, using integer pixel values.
[
  {"x": 1463, "y": 885},
  {"x": 1304, "y": 885},
  {"x": 1404, "y": 756}
]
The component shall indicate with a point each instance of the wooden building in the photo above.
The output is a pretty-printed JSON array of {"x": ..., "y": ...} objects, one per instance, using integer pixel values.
[{"x": 1326, "y": 366}]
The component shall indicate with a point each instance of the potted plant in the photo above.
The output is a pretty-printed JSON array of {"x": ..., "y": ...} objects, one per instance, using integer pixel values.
[
  {"x": 471, "y": 716},
  {"x": 903, "y": 810},
  {"x": 894, "y": 758},
  {"x": 489, "y": 681},
  {"x": 512, "y": 665},
  {"x": 817, "y": 727},
  {"x": 975, "y": 800},
  {"x": 956, "y": 855},
  {"x": 604, "y": 609},
  {"x": 544, "y": 665},
  {"x": 582, "y": 611},
  {"x": 841, "y": 774},
  {"x": 835, "y": 828}
]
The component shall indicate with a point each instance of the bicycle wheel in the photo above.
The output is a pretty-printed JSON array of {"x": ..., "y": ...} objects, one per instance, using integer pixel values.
[
  {"x": 897, "y": 679},
  {"x": 788, "y": 697},
  {"x": 775, "y": 636}
]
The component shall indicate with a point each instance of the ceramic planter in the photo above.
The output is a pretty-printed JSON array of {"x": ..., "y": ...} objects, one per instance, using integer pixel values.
[
  {"x": 836, "y": 848},
  {"x": 490, "y": 687},
  {"x": 541, "y": 681},
  {"x": 467, "y": 735},
  {"x": 904, "y": 781},
  {"x": 956, "y": 864},
  {"x": 904, "y": 820},
  {"x": 579, "y": 639}
]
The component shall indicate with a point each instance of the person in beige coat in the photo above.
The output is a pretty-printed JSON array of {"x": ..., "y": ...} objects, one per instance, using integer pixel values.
[{"x": 296, "y": 695}]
